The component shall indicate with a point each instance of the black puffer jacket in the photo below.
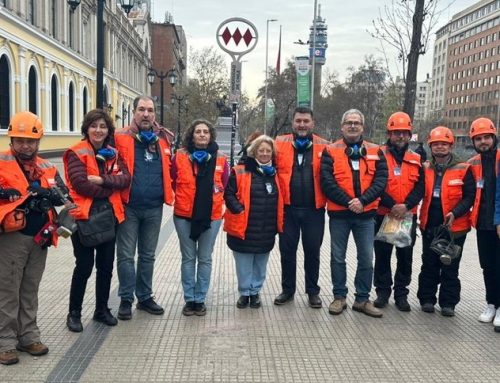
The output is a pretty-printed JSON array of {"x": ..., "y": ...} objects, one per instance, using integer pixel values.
[{"x": 262, "y": 219}]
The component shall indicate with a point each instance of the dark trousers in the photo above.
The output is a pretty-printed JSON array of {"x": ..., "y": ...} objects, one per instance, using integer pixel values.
[
  {"x": 84, "y": 263},
  {"x": 311, "y": 222},
  {"x": 433, "y": 273},
  {"x": 488, "y": 246},
  {"x": 382, "y": 273}
]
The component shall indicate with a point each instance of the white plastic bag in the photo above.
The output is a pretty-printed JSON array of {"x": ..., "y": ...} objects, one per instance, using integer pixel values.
[{"x": 396, "y": 231}]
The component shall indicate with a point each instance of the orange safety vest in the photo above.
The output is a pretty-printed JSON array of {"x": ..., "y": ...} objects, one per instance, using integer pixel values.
[
  {"x": 477, "y": 171},
  {"x": 342, "y": 171},
  {"x": 284, "y": 166},
  {"x": 236, "y": 224},
  {"x": 451, "y": 194},
  {"x": 185, "y": 190},
  {"x": 12, "y": 176},
  {"x": 86, "y": 154},
  {"x": 125, "y": 143},
  {"x": 401, "y": 185}
]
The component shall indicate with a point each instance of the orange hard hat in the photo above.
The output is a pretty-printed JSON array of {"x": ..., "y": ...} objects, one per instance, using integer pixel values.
[
  {"x": 399, "y": 121},
  {"x": 25, "y": 125},
  {"x": 482, "y": 126},
  {"x": 441, "y": 134}
]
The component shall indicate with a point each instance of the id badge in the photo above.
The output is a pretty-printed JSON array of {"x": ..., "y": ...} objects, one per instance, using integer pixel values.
[
  {"x": 355, "y": 165},
  {"x": 436, "y": 193},
  {"x": 480, "y": 184},
  {"x": 397, "y": 171}
]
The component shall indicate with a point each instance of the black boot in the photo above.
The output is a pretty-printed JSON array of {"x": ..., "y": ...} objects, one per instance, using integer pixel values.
[
  {"x": 105, "y": 316},
  {"x": 74, "y": 321}
]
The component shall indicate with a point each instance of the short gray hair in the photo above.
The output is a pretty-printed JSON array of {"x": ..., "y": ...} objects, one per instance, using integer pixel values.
[{"x": 353, "y": 111}]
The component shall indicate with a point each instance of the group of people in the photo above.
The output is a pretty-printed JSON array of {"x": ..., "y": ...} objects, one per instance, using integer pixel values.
[{"x": 280, "y": 186}]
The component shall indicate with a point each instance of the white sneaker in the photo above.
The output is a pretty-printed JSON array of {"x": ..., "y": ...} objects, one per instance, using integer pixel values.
[
  {"x": 496, "y": 321},
  {"x": 488, "y": 314}
]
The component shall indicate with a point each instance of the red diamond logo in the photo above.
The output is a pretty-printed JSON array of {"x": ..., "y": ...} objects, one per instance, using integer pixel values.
[
  {"x": 237, "y": 36},
  {"x": 226, "y": 35},
  {"x": 247, "y": 37}
]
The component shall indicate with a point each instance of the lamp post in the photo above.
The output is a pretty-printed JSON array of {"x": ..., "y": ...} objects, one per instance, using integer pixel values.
[
  {"x": 126, "y": 5},
  {"x": 178, "y": 98},
  {"x": 172, "y": 78},
  {"x": 267, "y": 64}
]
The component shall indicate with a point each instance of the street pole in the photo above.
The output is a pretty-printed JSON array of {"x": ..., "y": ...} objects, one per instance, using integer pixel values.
[
  {"x": 267, "y": 64},
  {"x": 100, "y": 55},
  {"x": 178, "y": 141},
  {"x": 313, "y": 60},
  {"x": 161, "y": 100},
  {"x": 153, "y": 73}
]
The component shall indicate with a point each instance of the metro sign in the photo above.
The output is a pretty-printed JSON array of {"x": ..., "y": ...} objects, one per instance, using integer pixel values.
[{"x": 237, "y": 36}]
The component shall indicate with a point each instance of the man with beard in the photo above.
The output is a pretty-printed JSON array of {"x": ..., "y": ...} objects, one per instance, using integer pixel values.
[
  {"x": 404, "y": 190},
  {"x": 27, "y": 229},
  {"x": 448, "y": 197},
  {"x": 484, "y": 166},
  {"x": 353, "y": 176},
  {"x": 297, "y": 166},
  {"x": 145, "y": 146}
]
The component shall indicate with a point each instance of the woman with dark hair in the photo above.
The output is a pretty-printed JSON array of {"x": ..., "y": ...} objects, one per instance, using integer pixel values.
[
  {"x": 95, "y": 175},
  {"x": 199, "y": 175},
  {"x": 253, "y": 217}
]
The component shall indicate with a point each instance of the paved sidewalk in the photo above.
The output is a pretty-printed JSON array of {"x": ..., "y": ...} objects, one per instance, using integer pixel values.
[{"x": 291, "y": 343}]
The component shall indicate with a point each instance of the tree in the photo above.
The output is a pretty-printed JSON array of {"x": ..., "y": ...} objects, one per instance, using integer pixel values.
[{"x": 406, "y": 26}]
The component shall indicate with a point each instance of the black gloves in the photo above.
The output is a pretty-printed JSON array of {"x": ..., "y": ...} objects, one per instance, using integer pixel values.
[{"x": 8, "y": 193}]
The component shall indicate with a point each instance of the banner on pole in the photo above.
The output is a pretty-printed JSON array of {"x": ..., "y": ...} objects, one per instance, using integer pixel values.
[{"x": 303, "y": 68}]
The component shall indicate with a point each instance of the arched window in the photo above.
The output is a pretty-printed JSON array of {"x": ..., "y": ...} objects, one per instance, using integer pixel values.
[
  {"x": 71, "y": 107},
  {"x": 53, "y": 102},
  {"x": 5, "y": 92},
  {"x": 32, "y": 90},
  {"x": 85, "y": 101}
]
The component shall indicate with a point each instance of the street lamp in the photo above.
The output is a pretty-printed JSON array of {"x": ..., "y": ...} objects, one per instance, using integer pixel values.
[
  {"x": 179, "y": 99},
  {"x": 172, "y": 78},
  {"x": 126, "y": 5},
  {"x": 267, "y": 64}
]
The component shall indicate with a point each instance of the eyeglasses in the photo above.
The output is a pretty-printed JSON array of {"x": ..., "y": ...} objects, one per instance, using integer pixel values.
[{"x": 353, "y": 123}]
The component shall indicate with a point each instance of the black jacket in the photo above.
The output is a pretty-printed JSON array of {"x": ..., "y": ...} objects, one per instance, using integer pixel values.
[{"x": 262, "y": 220}]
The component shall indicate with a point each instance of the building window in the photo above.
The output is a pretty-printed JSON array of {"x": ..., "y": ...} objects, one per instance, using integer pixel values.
[
  {"x": 53, "y": 101},
  {"x": 32, "y": 91},
  {"x": 31, "y": 12},
  {"x": 53, "y": 18},
  {"x": 4, "y": 91}
]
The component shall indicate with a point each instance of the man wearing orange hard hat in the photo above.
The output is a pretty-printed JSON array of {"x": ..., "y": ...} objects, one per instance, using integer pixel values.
[
  {"x": 402, "y": 194},
  {"x": 27, "y": 229},
  {"x": 484, "y": 166},
  {"x": 444, "y": 217}
]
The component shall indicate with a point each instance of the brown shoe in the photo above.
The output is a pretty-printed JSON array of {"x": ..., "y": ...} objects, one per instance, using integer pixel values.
[
  {"x": 9, "y": 357},
  {"x": 337, "y": 306},
  {"x": 35, "y": 349},
  {"x": 367, "y": 308}
]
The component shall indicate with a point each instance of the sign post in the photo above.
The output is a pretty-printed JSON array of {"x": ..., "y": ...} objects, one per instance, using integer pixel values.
[{"x": 236, "y": 36}]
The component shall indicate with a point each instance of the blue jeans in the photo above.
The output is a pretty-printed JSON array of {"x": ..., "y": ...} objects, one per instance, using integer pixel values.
[
  {"x": 196, "y": 278},
  {"x": 140, "y": 229},
  {"x": 251, "y": 272},
  {"x": 363, "y": 232}
]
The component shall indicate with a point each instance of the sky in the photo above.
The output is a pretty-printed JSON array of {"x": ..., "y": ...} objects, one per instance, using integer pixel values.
[{"x": 348, "y": 39}]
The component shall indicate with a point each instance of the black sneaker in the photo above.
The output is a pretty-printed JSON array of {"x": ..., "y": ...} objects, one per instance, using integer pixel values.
[
  {"x": 428, "y": 308},
  {"x": 380, "y": 302},
  {"x": 402, "y": 304},
  {"x": 283, "y": 298},
  {"x": 200, "y": 309},
  {"x": 105, "y": 316},
  {"x": 314, "y": 301},
  {"x": 255, "y": 302},
  {"x": 243, "y": 301},
  {"x": 447, "y": 311},
  {"x": 125, "y": 310},
  {"x": 188, "y": 309},
  {"x": 150, "y": 306},
  {"x": 74, "y": 321}
]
